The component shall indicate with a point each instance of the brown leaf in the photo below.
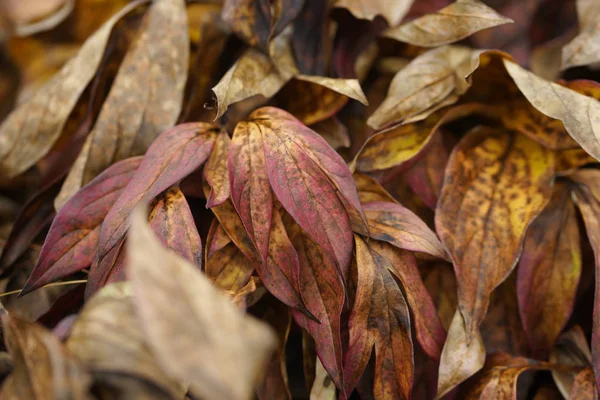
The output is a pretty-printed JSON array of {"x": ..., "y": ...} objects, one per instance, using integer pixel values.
[
  {"x": 43, "y": 367},
  {"x": 571, "y": 349},
  {"x": 583, "y": 49},
  {"x": 440, "y": 282},
  {"x": 399, "y": 145},
  {"x": 334, "y": 132},
  {"x": 218, "y": 357},
  {"x": 108, "y": 338},
  {"x": 450, "y": 24},
  {"x": 495, "y": 184},
  {"x": 549, "y": 272},
  {"x": 579, "y": 113},
  {"x": 397, "y": 225},
  {"x": 433, "y": 80},
  {"x": 31, "y": 130},
  {"x": 586, "y": 194},
  {"x": 584, "y": 387},
  {"x": 145, "y": 98},
  {"x": 369, "y": 9},
  {"x": 379, "y": 319},
  {"x": 275, "y": 383},
  {"x": 225, "y": 265},
  {"x": 175, "y": 154},
  {"x": 324, "y": 293},
  {"x": 215, "y": 171},
  {"x": 369, "y": 190}
]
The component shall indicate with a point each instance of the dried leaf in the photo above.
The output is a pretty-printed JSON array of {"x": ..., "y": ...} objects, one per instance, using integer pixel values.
[
  {"x": 549, "y": 272},
  {"x": 43, "y": 368},
  {"x": 450, "y": 24},
  {"x": 31, "y": 130},
  {"x": 433, "y": 80},
  {"x": 215, "y": 171},
  {"x": 227, "y": 351},
  {"x": 584, "y": 386},
  {"x": 226, "y": 266},
  {"x": 579, "y": 113},
  {"x": 172, "y": 220},
  {"x": 73, "y": 236},
  {"x": 324, "y": 294},
  {"x": 107, "y": 337},
  {"x": 587, "y": 197},
  {"x": 583, "y": 49},
  {"x": 571, "y": 349},
  {"x": 145, "y": 98},
  {"x": 369, "y": 9},
  {"x": 392, "y": 223},
  {"x": 323, "y": 387},
  {"x": 496, "y": 183},
  {"x": 175, "y": 154},
  {"x": 379, "y": 319},
  {"x": 334, "y": 132},
  {"x": 310, "y": 179}
]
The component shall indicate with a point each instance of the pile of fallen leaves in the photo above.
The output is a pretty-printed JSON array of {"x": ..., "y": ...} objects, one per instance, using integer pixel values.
[{"x": 283, "y": 199}]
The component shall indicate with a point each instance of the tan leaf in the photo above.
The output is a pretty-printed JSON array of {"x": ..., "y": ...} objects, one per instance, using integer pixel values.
[
  {"x": 145, "y": 98},
  {"x": 43, "y": 367},
  {"x": 433, "y": 80},
  {"x": 392, "y": 11},
  {"x": 579, "y": 113},
  {"x": 323, "y": 387},
  {"x": 107, "y": 337},
  {"x": 30, "y": 131},
  {"x": 450, "y": 24},
  {"x": 584, "y": 49},
  {"x": 219, "y": 357},
  {"x": 573, "y": 349}
]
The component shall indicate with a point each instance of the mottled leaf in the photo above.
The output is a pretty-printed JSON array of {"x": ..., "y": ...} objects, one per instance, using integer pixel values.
[
  {"x": 215, "y": 171},
  {"x": 31, "y": 130},
  {"x": 549, "y": 272},
  {"x": 145, "y": 98},
  {"x": 379, "y": 319},
  {"x": 579, "y": 113}
]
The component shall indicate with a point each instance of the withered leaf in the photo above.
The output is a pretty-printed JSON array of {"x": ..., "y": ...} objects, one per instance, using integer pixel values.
[
  {"x": 33, "y": 128},
  {"x": 433, "y": 80},
  {"x": 397, "y": 225},
  {"x": 379, "y": 319},
  {"x": 107, "y": 337},
  {"x": 218, "y": 357},
  {"x": 216, "y": 173},
  {"x": 571, "y": 349},
  {"x": 583, "y": 49},
  {"x": 275, "y": 383},
  {"x": 175, "y": 154},
  {"x": 398, "y": 145},
  {"x": 324, "y": 296},
  {"x": 334, "y": 132},
  {"x": 584, "y": 386},
  {"x": 549, "y": 271},
  {"x": 587, "y": 197},
  {"x": 498, "y": 379},
  {"x": 495, "y": 184},
  {"x": 309, "y": 178},
  {"x": 460, "y": 19},
  {"x": 145, "y": 98},
  {"x": 322, "y": 387},
  {"x": 225, "y": 265},
  {"x": 257, "y": 74},
  {"x": 579, "y": 113},
  {"x": 73, "y": 236},
  {"x": 369, "y": 9},
  {"x": 42, "y": 367}
]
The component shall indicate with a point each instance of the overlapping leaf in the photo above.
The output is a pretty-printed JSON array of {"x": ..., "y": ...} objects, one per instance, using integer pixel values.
[{"x": 583, "y": 49}]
